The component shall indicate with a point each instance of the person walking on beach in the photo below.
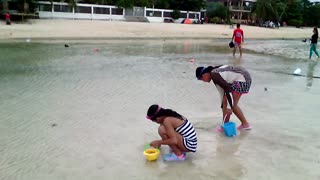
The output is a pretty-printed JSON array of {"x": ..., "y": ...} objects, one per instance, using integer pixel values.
[
  {"x": 8, "y": 18},
  {"x": 231, "y": 82},
  {"x": 314, "y": 41},
  {"x": 175, "y": 131},
  {"x": 237, "y": 38}
]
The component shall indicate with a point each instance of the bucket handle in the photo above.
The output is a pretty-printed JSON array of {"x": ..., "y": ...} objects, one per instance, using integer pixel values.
[{"x": 224, "y": 119}]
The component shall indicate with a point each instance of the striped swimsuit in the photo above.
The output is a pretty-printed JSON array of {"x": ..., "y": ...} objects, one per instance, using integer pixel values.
[{"x": 189, "y": 135}]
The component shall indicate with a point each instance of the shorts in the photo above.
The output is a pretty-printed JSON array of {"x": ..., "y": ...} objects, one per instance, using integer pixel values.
[
  {"x": 237, "y": 44},
  {"x": 240, "y": 87}
]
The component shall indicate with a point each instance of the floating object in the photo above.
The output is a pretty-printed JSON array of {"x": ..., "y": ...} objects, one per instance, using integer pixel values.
[
  {"x": 265, "y": 89},
  {"x": 28, "y": 40},
  {"x": 151, "y": 154},
  {"x": 229, "y": 129},
  {"x": 53, "y": 125},
  {"x": 66, "y": 45},
  {"x": 297, "y": 71},
  {"x": 95, "y": 50},
  {"x": 191, "y": 60}
]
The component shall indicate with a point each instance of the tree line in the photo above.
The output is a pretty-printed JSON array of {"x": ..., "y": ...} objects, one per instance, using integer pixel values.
[{"x": 293, "y": 12}]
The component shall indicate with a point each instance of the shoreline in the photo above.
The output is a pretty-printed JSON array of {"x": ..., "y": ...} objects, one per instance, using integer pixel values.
[
  {"x": 97, "y": 30},
  {"x": 106, "y": 40}
]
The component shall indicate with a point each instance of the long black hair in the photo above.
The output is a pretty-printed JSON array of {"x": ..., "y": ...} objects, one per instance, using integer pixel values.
[
  {"x": 156, "y": 111},
  {"x": 316, "y": 31}
]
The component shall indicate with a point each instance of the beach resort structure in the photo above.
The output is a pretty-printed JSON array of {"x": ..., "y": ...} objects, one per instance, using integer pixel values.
[
  {"x": 239, "y": 9},
  {"x": 105, "y": 12}
]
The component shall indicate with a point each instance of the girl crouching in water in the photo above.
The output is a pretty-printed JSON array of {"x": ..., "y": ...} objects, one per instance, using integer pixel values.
[{"x": 175, "y": 131}]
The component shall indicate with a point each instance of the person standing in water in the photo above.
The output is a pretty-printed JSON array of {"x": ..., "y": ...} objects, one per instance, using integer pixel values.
[
  {"x": 8, "y": 18},
  {"x": 231, "y": 82},
  {"x": 238, "y": 38},
  {"x": 175, "y": 131},
  {"x": 314, "y": 41}
]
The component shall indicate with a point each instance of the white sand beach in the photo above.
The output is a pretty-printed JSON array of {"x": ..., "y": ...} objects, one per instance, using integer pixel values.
[{"x": 58, "y": 28}]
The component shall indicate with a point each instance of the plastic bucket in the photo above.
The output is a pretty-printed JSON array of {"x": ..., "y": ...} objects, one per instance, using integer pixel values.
[
  {"x": 151, "y": 154},
  {"x": 229, "y": 129}
]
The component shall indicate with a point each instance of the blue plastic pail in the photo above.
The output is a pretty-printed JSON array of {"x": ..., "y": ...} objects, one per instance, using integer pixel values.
[{"x": 229, "y": 129}]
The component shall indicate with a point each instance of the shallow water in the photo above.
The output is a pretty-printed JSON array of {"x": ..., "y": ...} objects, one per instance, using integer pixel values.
[{"x": 79, "y": 113}]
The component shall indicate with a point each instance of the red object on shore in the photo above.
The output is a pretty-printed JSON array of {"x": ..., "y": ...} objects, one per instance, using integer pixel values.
[
  {"x": 8, "y": 20},
  {"x": 7, "y": 16}
]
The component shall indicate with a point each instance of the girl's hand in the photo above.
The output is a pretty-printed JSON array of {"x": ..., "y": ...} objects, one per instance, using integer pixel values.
[
  {"x": 229, "y": 111},
  {"x": 155, "y": 144}
]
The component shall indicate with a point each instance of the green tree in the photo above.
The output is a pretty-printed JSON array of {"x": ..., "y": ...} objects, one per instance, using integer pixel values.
[
  {"x": 161, "y": 4},
  {"x": 187, "y": 5},
  {"x": 314, "y": 15},
  {"x": 264, "y": 9},
  {"x": 294, "y": 13},
  {"x": 279, "y": 9},
  {"x": 125, "y": 3},
  {"x": 216, "y": 9}
]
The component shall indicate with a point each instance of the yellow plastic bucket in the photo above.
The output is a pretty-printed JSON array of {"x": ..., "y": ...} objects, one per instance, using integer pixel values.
[{"x": 151, "y": 154}]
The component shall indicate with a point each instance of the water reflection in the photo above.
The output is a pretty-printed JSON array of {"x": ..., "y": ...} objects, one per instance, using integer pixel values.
[
  {"x": 228, "y": 153},
  {"x": 310, "y": 71},
  {"x": 237, "y": 61}
]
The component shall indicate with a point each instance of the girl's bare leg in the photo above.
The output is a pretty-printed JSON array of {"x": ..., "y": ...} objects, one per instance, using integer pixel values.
[
  {"x": 237, "y": 111},
  {"x": 178, "y": 148}
]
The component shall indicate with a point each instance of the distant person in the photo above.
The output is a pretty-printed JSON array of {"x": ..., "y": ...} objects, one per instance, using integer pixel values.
[
  {"x": 8, "y": 18},
  {"x": 238, "y": 39},
  {"x": 175, "y": 131},
  {"x": 231, "y": 82},
  {"x": 314, "y": 41}
]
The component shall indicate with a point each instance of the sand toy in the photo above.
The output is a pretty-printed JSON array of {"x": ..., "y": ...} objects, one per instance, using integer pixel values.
[{"x": 151, "y": 153}]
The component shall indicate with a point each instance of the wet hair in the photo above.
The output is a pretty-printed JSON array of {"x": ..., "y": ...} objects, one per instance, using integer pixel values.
[
  {"x": 238, "y": 25},
  {"x": 202, "y": 70},
  {"x": 156, "y": 111},
  {"x": 316, "y": 30}
]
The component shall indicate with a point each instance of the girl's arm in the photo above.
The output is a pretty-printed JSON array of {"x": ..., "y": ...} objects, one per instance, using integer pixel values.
[
  {"x": 168, "y": 124},
  {"x": 218, "y": 80}
]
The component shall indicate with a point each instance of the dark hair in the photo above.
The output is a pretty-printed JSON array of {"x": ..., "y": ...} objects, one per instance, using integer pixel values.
[
  {"x": 153, "y": 114},
  {"x": 202, "y": 70},
  {"x": 238, "y": 25},
  {"x": 316, "y": 30}
]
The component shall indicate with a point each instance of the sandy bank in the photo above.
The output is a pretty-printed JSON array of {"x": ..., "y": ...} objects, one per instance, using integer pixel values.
[{"x": 73, "y": 29}]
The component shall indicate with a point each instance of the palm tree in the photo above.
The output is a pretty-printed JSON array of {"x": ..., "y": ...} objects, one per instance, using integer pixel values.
[
  {"x": 5, "y": 7},
  {"x": 264, "y": 9},
  {"x": 279, "y": 7}
]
